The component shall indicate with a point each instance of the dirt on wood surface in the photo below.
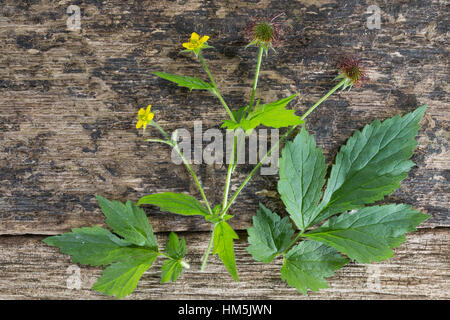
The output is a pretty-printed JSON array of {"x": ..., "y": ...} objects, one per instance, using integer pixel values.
[{"x": 68, "y": 104}]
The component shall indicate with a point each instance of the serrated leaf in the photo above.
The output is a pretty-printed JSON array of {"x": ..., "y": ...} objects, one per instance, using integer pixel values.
[
  {"x": 271, "y": 114},
  {"x": 173, "y": 268},
  {"x": 371, "y": 164},
  {"x": 223, "y": 247},
  {"x": 128, "y": 221},
  {"x": 185, "y": 81},
  {"x": 179, "y": 203},
  {"x": 269, "y": 236},
  {"x": 302, "y": 176},
  {"x": 121, "y": 278},
  {"x": 175, "y": 248},
  {"x": 94, "y": 246},
  {"x": 274, "y": 114},
  {"x": 369, "y": 234},
  {"x": 307, "y": 265}
]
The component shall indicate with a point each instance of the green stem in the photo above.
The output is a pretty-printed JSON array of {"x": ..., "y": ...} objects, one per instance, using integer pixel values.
[
  {"x": 194, "y": 176},
  {"x": 255, "y": 169},
  {"x": 208, "y": 250},
  {"x": 255, "y": 82},
  {"x": 216, "y": 91},
  {"x": 340, "y": 84},
  {"x": 299, "y": 235},
  {"x": 229, "y": 172}
]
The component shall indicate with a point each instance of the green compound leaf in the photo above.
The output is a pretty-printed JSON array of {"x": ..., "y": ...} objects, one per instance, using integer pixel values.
[
  {"x": 371, "y": 164},
  {"x": 120, "y": 278},
  {"x": 179, "y": 203},
  {"x": 128, "y": 221},
  {"x": 269, "y": 236},
  {"x": 173, "y": 268},
  {"x": 185, "y": 81},
  {"x": 271, "y": 114},
  {"x": 224, "y": 248},
  {"x": 94, "y": 246},
  {"x": 302, "y": 176},
  {"x": 308, "y": 264},
  {"x": 369, "y": 234}
]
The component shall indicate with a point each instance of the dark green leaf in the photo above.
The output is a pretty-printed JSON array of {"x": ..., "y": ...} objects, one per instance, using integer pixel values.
[
  {"x": 179, "y": 203},
  {"x": 223, "y": 247},
  {"x": 371, "y": 164},
  {"x": 302, "y": 176},
  {"x": 308, "y": 264},
  {"x": 185, "y": 81},
  {"x": 369, "y": 234},
  {"x": 269, "y": 236},
  {"x": 128, "y": 221}
]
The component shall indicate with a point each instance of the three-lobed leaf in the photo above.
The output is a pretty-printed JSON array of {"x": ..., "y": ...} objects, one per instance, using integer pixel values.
[
  {"x": 128, "y": 257},
  {"x": 369, "y": 234},
  {"x": 179, "y": 203},
  {"x": 371, "y": 164},
  {"x": 224, "y": 248},
  {"x": 186, "y": 81},
  {"x": 269, "y": 236},
  {"x": 302, "y": 176},
  {"x": 272, "y": 114},
  {"x": 308, "y": 263}
]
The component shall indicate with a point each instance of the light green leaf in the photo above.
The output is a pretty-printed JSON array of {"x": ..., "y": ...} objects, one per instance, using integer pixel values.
[
  {"x": 269, "y": 236},
  {"x": 302, "y": 176},
  {"x": 185, "y": 81},
  {"x": 223, "y": 247},
  {"x": 371, "y": 164},
  {"x": 274, "y": 114},
  {"x": 179, "y": 203},
  {"x": 120, "y": 278},
  {"x": 369, "y": 234},
  {"x": 128, "y": 221},
  {"x": 94, "y": 246},
  {"x": 307, "y": 265},
  {"x": 271, "y": 114}
]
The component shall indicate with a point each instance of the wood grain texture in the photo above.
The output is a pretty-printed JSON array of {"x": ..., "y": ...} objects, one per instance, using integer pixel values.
[
  {"x": 69, "y": 99},
  {"x": 419, "y": 270},
  {"x": 68, "y": 103}
]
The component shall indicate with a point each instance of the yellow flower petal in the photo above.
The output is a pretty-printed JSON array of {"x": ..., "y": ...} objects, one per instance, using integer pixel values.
[
  {"x": 204, "y": 39},
  {"x": 148, "y": 108},
  {"x": 139, "y": 124},
  {"x": 194, "y": 36},
  {"x": 150, "y": 117},
  {"x": 187, "y": 45},
  {"x": 141, "y": 112}
]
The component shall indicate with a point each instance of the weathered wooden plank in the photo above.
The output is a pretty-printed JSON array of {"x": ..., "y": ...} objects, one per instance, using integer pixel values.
[
  {"x": 69, "y": 100},
  {"x": 419, "y": 270}
]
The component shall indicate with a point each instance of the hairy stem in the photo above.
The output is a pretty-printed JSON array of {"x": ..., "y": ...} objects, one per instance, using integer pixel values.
[
  {"x": 255, "y": 82},
  {"x": 208, "y": 250},
  {"x": 216, "y": 91}
]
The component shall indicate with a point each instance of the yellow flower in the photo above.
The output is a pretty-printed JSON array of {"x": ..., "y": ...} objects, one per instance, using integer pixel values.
[
  {"x": 144, "y": 117},
  {"x": 196, "y": 42}
]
